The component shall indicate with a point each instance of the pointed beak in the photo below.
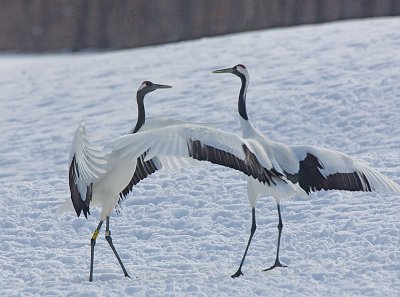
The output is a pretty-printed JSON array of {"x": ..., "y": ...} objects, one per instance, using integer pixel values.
[
  {"x": 226, "y": 70},
  {"x": 157, "y": 86}
]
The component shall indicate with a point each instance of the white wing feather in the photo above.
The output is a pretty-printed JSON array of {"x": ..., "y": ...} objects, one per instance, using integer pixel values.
[
  {"x": 173, "y": 141},
  {"x": 90, "y": 160}
]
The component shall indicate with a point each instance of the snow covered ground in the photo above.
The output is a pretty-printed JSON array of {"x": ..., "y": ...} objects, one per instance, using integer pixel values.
[{"x": 183, "y": 233}]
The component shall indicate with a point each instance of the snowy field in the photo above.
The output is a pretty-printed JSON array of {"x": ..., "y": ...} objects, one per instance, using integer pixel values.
[{"x": 183, "y": 233}]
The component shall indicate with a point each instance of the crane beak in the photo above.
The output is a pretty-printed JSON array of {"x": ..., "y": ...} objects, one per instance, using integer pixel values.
[
  {"x": 157, "y": 86},
  {"x": 226, "y": 70}
]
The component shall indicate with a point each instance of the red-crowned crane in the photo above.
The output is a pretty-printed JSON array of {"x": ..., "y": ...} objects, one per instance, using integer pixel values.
[
  {"x": 139, "y": 172},
  {"x": 311, "y": 168}
]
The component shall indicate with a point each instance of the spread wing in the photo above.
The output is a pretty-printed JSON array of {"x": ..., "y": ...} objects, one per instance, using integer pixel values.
[
  {"x": 202, "y": 144},
  {"x": 86, "y": 164}
]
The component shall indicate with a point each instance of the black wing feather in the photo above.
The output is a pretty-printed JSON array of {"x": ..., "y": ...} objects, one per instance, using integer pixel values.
[
  {"x": 76, "y": 197},
  {"x": 310, "y": 178},
  {"x": 143, "y": 170},
  {"x": 250, "y": 166}
]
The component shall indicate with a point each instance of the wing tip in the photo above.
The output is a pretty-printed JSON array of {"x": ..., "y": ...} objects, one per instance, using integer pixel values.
[{"x": 80, "y": 206}]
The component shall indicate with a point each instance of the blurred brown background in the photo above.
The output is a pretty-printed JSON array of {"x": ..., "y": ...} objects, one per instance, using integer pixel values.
[{"x": 54, "y": 25}]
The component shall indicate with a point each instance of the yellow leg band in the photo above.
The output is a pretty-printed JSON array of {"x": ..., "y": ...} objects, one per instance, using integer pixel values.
[{"x": 95, "y": 234}]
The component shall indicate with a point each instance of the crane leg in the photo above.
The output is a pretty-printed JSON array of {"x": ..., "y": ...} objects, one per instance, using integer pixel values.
[
  {"x": 92, "y": 244},
  {"x": 280, "y": 227},
  {"x": 253, "y": 230},
  {"x": 109, "y": 240}
]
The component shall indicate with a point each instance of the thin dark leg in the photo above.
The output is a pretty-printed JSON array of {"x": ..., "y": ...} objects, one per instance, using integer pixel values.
[
  {"x": 253, "y": 230},
  {"x": 92, "y": 244},
  {"x": 109, "y": 240},
  {"x": 280, "y": 227}
]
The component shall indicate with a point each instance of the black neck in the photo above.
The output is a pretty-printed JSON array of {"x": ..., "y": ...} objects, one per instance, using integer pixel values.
[
  {"x": 141, "y": 113},
  {"x": 242, "y": 99}
]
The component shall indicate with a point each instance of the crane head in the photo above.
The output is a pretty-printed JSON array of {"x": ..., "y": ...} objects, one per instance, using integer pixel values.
[
  {"x": 239, "y": 70},
  {"x": 148, "y": 86}
]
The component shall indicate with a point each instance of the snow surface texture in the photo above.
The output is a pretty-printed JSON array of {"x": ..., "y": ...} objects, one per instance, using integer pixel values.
[{"x": 183, "y": 233}]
